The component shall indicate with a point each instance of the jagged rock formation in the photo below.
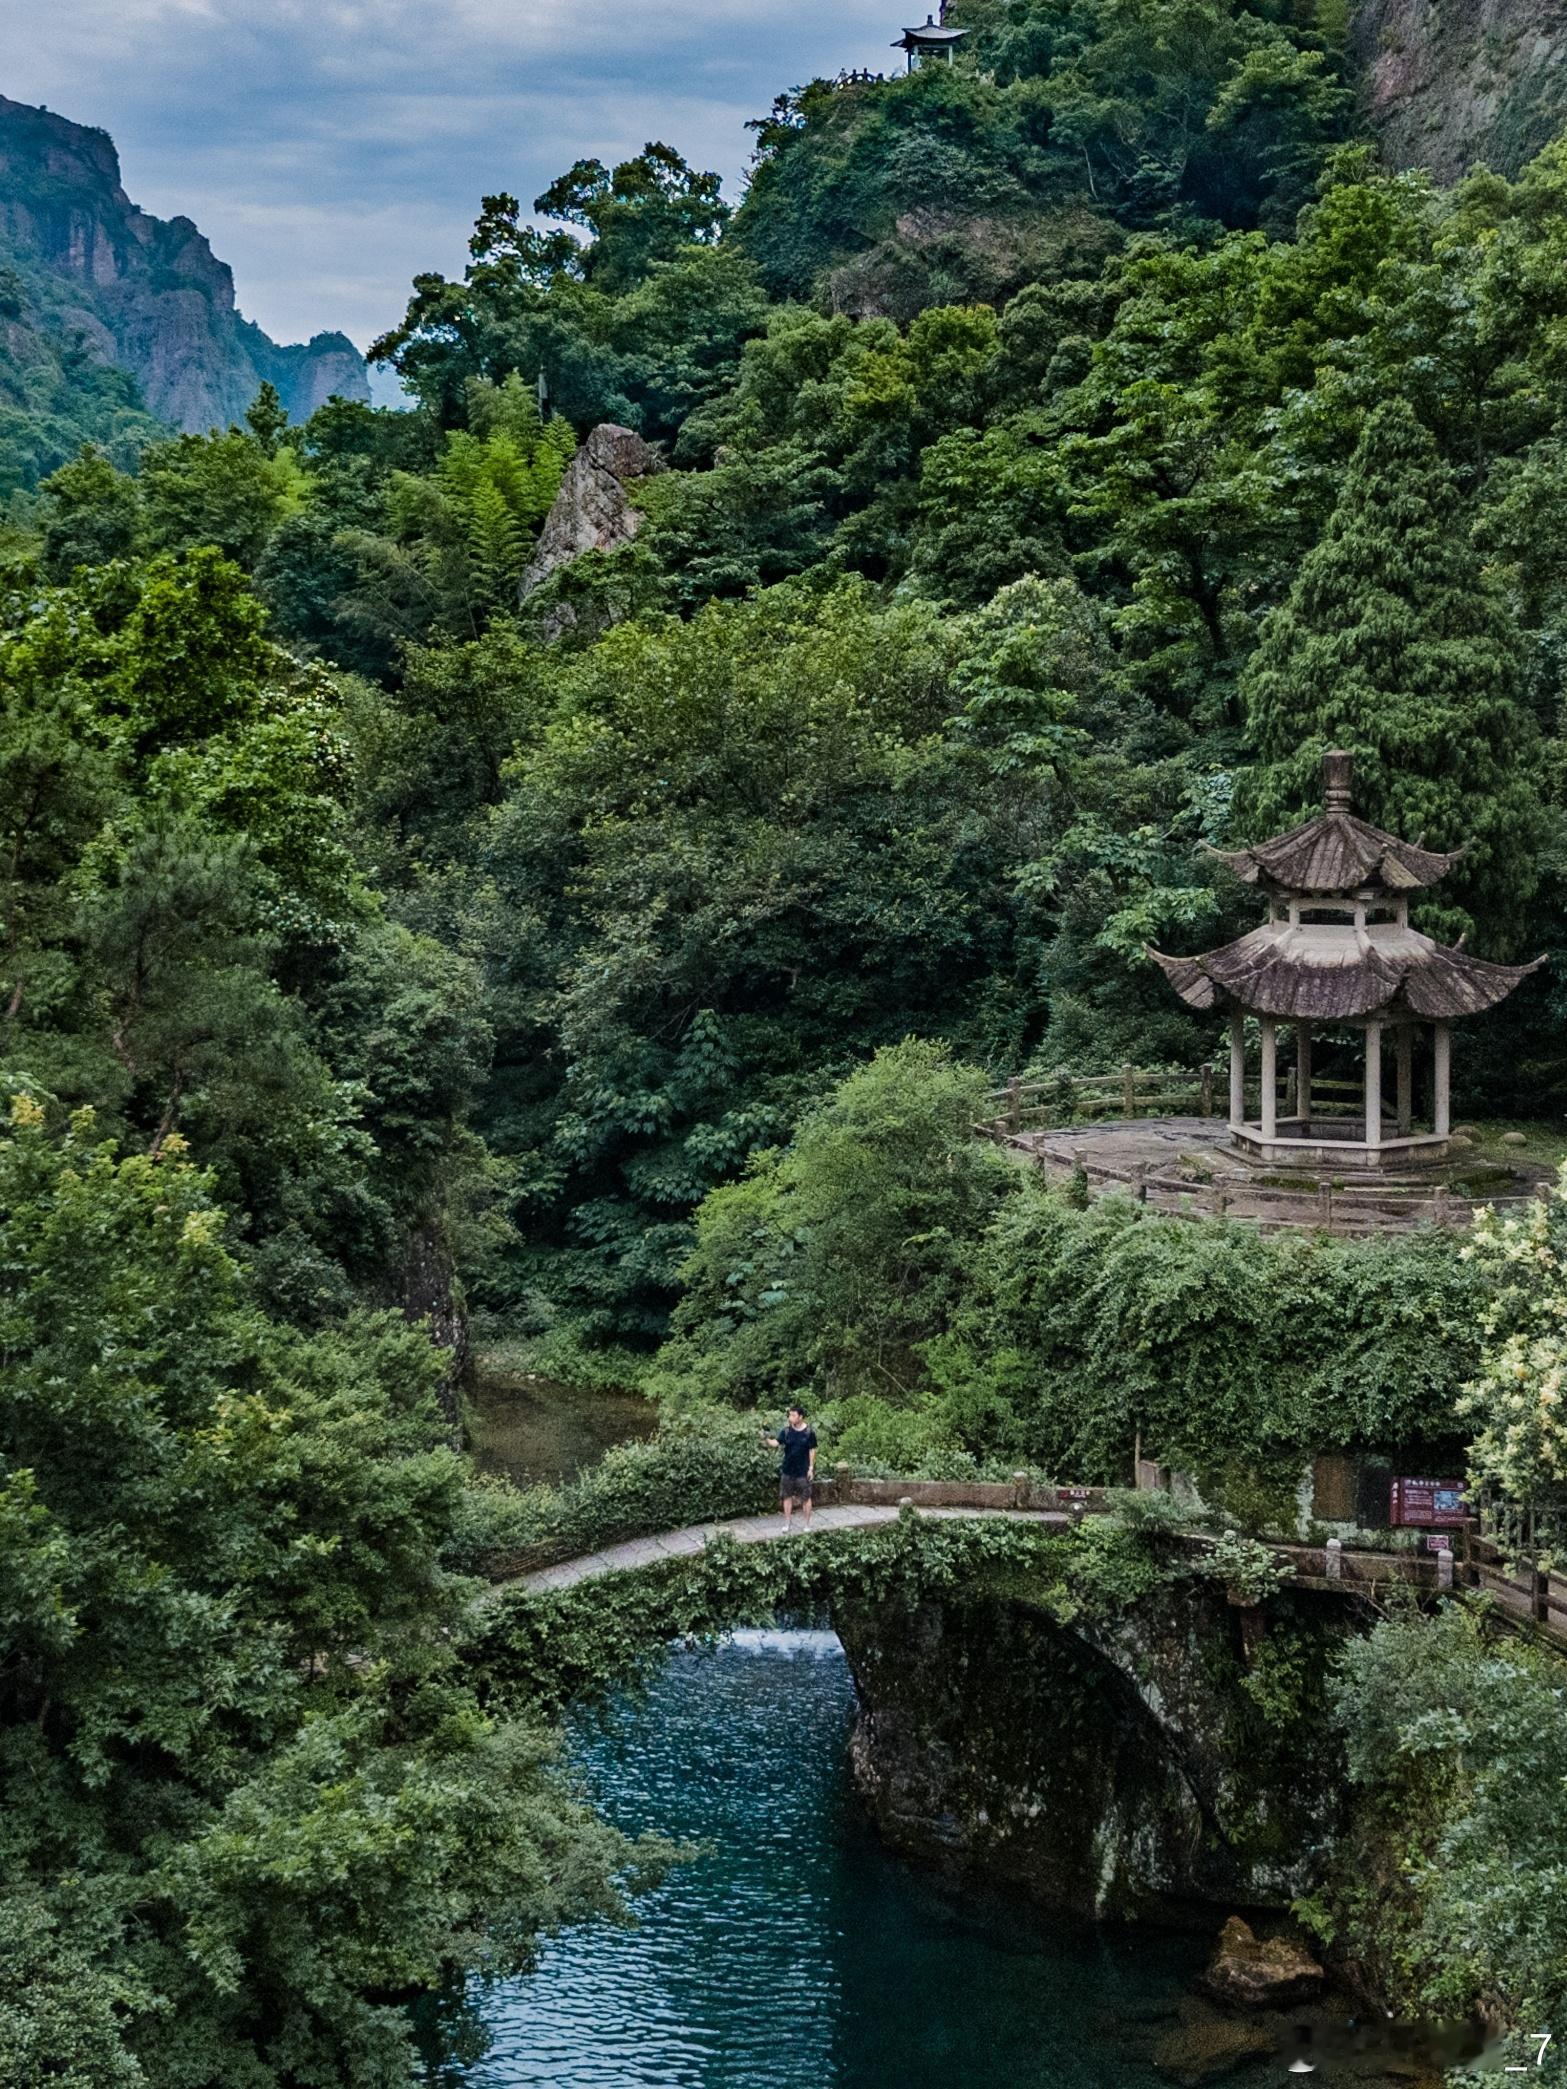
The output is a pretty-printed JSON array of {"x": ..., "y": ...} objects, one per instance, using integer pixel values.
[
  {"x": 144, "y": 294},
  {"x": 592, "y": 511},
  {"x": 1450, "y": 82}
]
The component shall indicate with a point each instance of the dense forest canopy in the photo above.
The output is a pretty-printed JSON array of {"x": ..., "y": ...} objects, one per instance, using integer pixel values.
[{"x": 1058, "y": 451}]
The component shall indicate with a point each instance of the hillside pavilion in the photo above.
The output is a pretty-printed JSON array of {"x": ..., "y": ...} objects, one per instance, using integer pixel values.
[
  {"x": 1337, "y": 949},
  {"x": 932, "y": 42}
]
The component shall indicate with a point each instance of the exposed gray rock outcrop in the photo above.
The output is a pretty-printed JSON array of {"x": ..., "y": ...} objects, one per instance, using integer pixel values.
[
  {"x": 1252, "y": 1972},
  {"x": 592, "y": 511},
  {"x": 1449, "y": 82},
  {"x": 1116, "y": 1770}
]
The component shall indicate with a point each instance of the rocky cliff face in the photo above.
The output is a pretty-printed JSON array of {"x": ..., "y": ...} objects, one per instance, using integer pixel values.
[
  {"x": 1450, "y": 82},
  {"x": 146, "y": 294},
  {"x": 1121, "y": 1771}
]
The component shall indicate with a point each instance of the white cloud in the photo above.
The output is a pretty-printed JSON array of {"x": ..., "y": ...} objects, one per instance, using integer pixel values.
[{"x": 331, "y": 148}]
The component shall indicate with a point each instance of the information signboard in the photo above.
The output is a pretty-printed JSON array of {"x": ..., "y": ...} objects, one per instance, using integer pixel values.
[{"x": 1427, "y": 1504}]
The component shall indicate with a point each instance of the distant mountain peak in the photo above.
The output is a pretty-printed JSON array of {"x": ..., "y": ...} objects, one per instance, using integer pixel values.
[{"x": 147, "y": 294}]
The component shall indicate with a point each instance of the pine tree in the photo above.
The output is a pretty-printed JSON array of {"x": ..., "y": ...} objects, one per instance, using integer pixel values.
[{"x": 1396, "y": 644}]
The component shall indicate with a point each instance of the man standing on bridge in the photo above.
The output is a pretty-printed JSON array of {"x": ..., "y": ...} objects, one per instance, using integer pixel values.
[{"x": 797, "y": 1440}]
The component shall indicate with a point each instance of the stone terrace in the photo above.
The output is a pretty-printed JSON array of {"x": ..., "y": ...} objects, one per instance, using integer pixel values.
[{"x": 1189, "y": 1167}]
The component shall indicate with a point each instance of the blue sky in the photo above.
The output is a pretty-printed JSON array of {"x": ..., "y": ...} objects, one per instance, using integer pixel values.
[{"x": 331, "y": 148}]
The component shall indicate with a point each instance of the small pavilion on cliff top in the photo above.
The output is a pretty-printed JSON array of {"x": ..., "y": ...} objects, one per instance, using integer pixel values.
[
  {"x": 931, "y": 42},
  {"x": 1337, "y": 949}
]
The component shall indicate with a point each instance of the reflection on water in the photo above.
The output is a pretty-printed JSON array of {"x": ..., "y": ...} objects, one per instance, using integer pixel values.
[
  {"x": 530, "y": 1428},
  {"x": 795, "y": 1949}
]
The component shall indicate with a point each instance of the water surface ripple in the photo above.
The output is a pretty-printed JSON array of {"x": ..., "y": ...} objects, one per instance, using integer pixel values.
[{"x": 796, "y": 1949}]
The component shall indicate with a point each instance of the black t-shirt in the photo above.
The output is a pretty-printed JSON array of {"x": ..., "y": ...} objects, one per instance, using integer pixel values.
[{"x": 797, "y": 1446}]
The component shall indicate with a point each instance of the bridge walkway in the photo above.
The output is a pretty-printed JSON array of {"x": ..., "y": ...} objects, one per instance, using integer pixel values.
[
  {"x": 1522, "y": 1594},
  {"x": 751, "y": 1530}
]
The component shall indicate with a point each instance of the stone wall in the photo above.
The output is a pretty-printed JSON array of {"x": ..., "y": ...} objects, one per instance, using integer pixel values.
[{"x": 1169, "y": 1764}]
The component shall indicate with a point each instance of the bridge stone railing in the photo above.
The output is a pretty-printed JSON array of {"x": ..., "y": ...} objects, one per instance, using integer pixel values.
[{"x": 840, "y": 1486}]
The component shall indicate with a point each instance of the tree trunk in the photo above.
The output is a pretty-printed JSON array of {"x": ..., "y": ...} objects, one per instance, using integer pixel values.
[{"x": 431, "y": 1294}]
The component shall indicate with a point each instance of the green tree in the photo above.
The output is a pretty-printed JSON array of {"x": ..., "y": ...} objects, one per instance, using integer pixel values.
[
  {"x": 454, "y": 542},
  {"x": 1448, "y": 1888},
  {"x": 247, "y": 1792},
  {"x": 748, "y": 848},
  {"x": 266, "y": 417},
  {"x": 91, "y": 513},
  {"x": 229, "y": 491},
  {"x": 1395, "y": 643},
  {"x": 646, "y": 211},
  {"x": 835, "y": 1259},
  {"x": 180, "y": 908}
]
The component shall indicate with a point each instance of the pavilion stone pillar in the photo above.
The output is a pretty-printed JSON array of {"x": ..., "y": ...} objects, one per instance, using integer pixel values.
[
  {"x": 1303, "y": 1074},
  {"x": 1237, "y": 1069},
  {"x": 1406, "y": 1080},
  {"x": 1442, "y": 1056},
  {"x": 1270, "y": 1078},
  {"x": 1373, "y": 1084}
]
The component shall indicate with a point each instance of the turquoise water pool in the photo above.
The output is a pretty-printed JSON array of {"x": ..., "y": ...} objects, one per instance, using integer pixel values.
[{"x": 795, "y": 1949}]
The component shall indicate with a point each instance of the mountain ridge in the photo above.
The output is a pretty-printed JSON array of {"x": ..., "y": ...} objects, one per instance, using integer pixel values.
[{"x": 144, "y": 294}]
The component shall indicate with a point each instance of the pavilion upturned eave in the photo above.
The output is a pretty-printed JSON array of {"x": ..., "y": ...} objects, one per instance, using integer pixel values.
[{"x": 1259, "y": 975}]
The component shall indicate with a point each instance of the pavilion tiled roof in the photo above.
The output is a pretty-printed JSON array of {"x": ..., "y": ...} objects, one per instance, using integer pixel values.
[
  {"x": 1337, "y": 853},
  {"x": 1340, "y": 970},
  {"x": 1327, "y": 975},
  {"x": 930, "y": 31}
]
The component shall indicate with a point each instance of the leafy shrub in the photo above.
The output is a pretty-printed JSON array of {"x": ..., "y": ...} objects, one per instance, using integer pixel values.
[
  {"x": 1234, "y": 1354},
  {"x": 836, "y": 1257},
  {"x": 1515, "y": 1396},
  {"x": 1450, "y": 1893},
  {"x": 693, "y": 1471},
  {"x": 951, "y": 1312}
]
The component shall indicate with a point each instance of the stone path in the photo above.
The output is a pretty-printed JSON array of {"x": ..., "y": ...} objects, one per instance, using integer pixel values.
[{"x": 745, "y": 1530}]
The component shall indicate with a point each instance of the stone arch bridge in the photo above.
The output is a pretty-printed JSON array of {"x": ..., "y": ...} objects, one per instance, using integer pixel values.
[{"x": 1112, "y": 1761}]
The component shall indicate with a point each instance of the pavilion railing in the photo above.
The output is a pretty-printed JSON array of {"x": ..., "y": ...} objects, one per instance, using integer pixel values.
[
  {"x": 1047, "y": 1102},
  {"x": 1025, "y": 1110},
  {"x": 1052, "y": 1100}
]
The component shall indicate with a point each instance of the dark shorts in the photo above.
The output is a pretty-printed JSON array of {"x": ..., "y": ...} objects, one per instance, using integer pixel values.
[{"x": 790, "y": 1489}]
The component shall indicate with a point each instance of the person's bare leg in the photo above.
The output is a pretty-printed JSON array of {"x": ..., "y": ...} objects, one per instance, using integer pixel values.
[
  {"x": 805, "y": 1511},
  {"x": 788, "y": 1510}
]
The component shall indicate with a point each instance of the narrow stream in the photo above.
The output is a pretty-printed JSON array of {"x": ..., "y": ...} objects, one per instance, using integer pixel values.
[
  {"x": 796, "y": 1949},
  {"x": 528, "y": 1428}
]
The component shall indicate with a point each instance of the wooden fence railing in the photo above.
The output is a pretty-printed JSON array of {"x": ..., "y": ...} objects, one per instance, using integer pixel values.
[
  {"x": 1052, "y": 1100},
  {"x": 1328, "y": 1206},
  {"x": 1523, "y": 1594}
]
